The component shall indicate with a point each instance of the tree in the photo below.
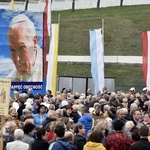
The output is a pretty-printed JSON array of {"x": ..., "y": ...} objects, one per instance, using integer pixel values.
[
  {"x": 26, "y": 5},
  {"x": 121, "y": 3},
  {"x": 73, "y": 5},
  {"x": 98, "y": 4}
]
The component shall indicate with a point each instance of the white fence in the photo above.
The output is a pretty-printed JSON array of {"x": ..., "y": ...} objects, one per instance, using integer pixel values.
[{"x": 67, "y": 4}]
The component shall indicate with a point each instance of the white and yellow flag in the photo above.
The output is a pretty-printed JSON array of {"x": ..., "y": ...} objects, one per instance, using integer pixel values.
[{"x": 52, "y": 59}]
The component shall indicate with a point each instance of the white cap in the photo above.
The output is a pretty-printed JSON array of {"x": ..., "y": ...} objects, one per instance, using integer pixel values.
[
  {"x": 132, "y": 89},
  {"x": 64, "y": 103},
  {"x": 145, "y": 89}
]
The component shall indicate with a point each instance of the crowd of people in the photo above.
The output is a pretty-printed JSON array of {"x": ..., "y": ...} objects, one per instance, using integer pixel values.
[{"x": 78, "y": 121}]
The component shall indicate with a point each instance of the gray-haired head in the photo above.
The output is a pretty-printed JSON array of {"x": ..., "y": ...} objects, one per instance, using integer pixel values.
[
  {"x": 15, "y": 22},
  {"x": 59, "y": 112},
  {"x": 18, "y": 134},
  {"x": 106, "y": 107},
  {"x": 19, "y": 18}
]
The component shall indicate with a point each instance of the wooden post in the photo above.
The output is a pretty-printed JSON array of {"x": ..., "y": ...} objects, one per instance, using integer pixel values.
[{"x": 2, "y": 122}]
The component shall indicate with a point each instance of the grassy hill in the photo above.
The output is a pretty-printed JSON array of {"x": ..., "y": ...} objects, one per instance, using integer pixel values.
[{"x": 123, "y": 28}]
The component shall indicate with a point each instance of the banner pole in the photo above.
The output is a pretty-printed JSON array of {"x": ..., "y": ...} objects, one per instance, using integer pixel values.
[{"x": 103, "y": 30}]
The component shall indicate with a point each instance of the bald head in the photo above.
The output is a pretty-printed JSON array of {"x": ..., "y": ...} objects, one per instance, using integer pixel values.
[{"x": 69, "y": 136}]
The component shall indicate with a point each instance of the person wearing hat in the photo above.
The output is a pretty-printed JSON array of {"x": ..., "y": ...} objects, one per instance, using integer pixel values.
[
  {"x": 63, "y": 104},
  {"x": 144, "y": 90},
  {"x": 132, "y": 90}
]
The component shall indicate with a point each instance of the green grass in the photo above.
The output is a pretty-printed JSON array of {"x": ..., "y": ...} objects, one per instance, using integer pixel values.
[{"x": 123, "y": 28}]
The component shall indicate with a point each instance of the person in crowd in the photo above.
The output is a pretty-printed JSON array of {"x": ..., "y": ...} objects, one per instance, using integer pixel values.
[
  {"x": 20, "y": 109},
  {"x": 49, "y": 93},
  {"x": 105, "y": 127},
  {"x": 92, "y": 100},
  {"x": 25, "y": 112},
  {"x": 33, "y": 104},
  {"x": 69, "y": 123},
  {"x": 68, "y": 111},
  {"x": 13, "y": 113},
  {"x": 86, "y": 120},
  {"x": 146, "y": 120},
  {"x": 45, "y": 102},
  {"x": 75, "y": 114},
  {"x": 29, "y": 132},
  {"x": 8, "y": 131},
  {"x": 125, "y": 102},
  {"x": 69, "y": 136},
  {"x": 104, "y": 90},
  {"x": 89, "y": 92},
  {"x": 133, "y": 106},
  {"x": 97, "y": 114},
  {"x": 60, "y": 143},
  {"x": 131, "y": 100},
  {"x": 128, "y": 126},
  {"x": 40, "y": 117},
  {"x": 95, "y": 141},
  {"x": 79, "y": 139},
  {"x": 17, "y": 144},
  {"x": 29, "y": 119},
  {"x": 30, "y": 93},
  {"x": 113, "y": 99},
  {"x": 143, "y": 143},
  {"x": 136, "y": 116},
  {"x": 16, "y": 95},
  {"x": 122, "y": 141},
  {"x": 113, "y": 111},
  {"x": 52, "y": 107},
  {"x": 120, "y": 116},
  {"x": 59, "y": 113},
  {"x": 52, "y": 116},
  {"x": 51, "y": 132},
  {"x": 40, "y": 143},
  {"x": 25, "y": 52},
  {"x": 135, "y": 134}
]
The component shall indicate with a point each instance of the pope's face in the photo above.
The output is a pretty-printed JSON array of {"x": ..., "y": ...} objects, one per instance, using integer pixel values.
[{"x": 22, "y": 48}]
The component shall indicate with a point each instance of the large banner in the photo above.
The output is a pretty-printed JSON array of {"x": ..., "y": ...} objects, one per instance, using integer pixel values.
[
  {"x": 146, "y": 57},
  {"x": 97, "y": 58},
  {"x": 21, "y": 48},
  {"x": 52, "y": 59}
]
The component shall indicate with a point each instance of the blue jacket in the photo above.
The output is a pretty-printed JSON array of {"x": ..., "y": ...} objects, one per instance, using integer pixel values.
[
  {"x": 39, "y": 121},
  {"x": 61, "y": 145},
  {"x": 86, "y": 120}
]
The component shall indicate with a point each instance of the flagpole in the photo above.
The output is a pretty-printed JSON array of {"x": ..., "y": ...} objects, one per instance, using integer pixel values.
[
  {"x": 12, "y": 4},
  {"x": 103, "y": 25},
  {"x": 59, "y": 19},
  {"x": 103, "y": 30}
]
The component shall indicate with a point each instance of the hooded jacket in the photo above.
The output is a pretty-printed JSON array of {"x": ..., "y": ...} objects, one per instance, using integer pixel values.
[
  {"x": 93, "y": 146},
  {"x": 86, "y": 120},
  {"x": 61, "y": 144}
]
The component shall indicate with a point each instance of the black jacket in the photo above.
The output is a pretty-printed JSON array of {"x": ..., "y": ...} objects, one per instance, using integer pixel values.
[
  {"x": 73, "y": 147},
  {"x": 142, "y": 144},
  {"x": 47, "y": 122},
  {"x": 40, "y": 145},
  {"x": 79, "y": 141}
]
